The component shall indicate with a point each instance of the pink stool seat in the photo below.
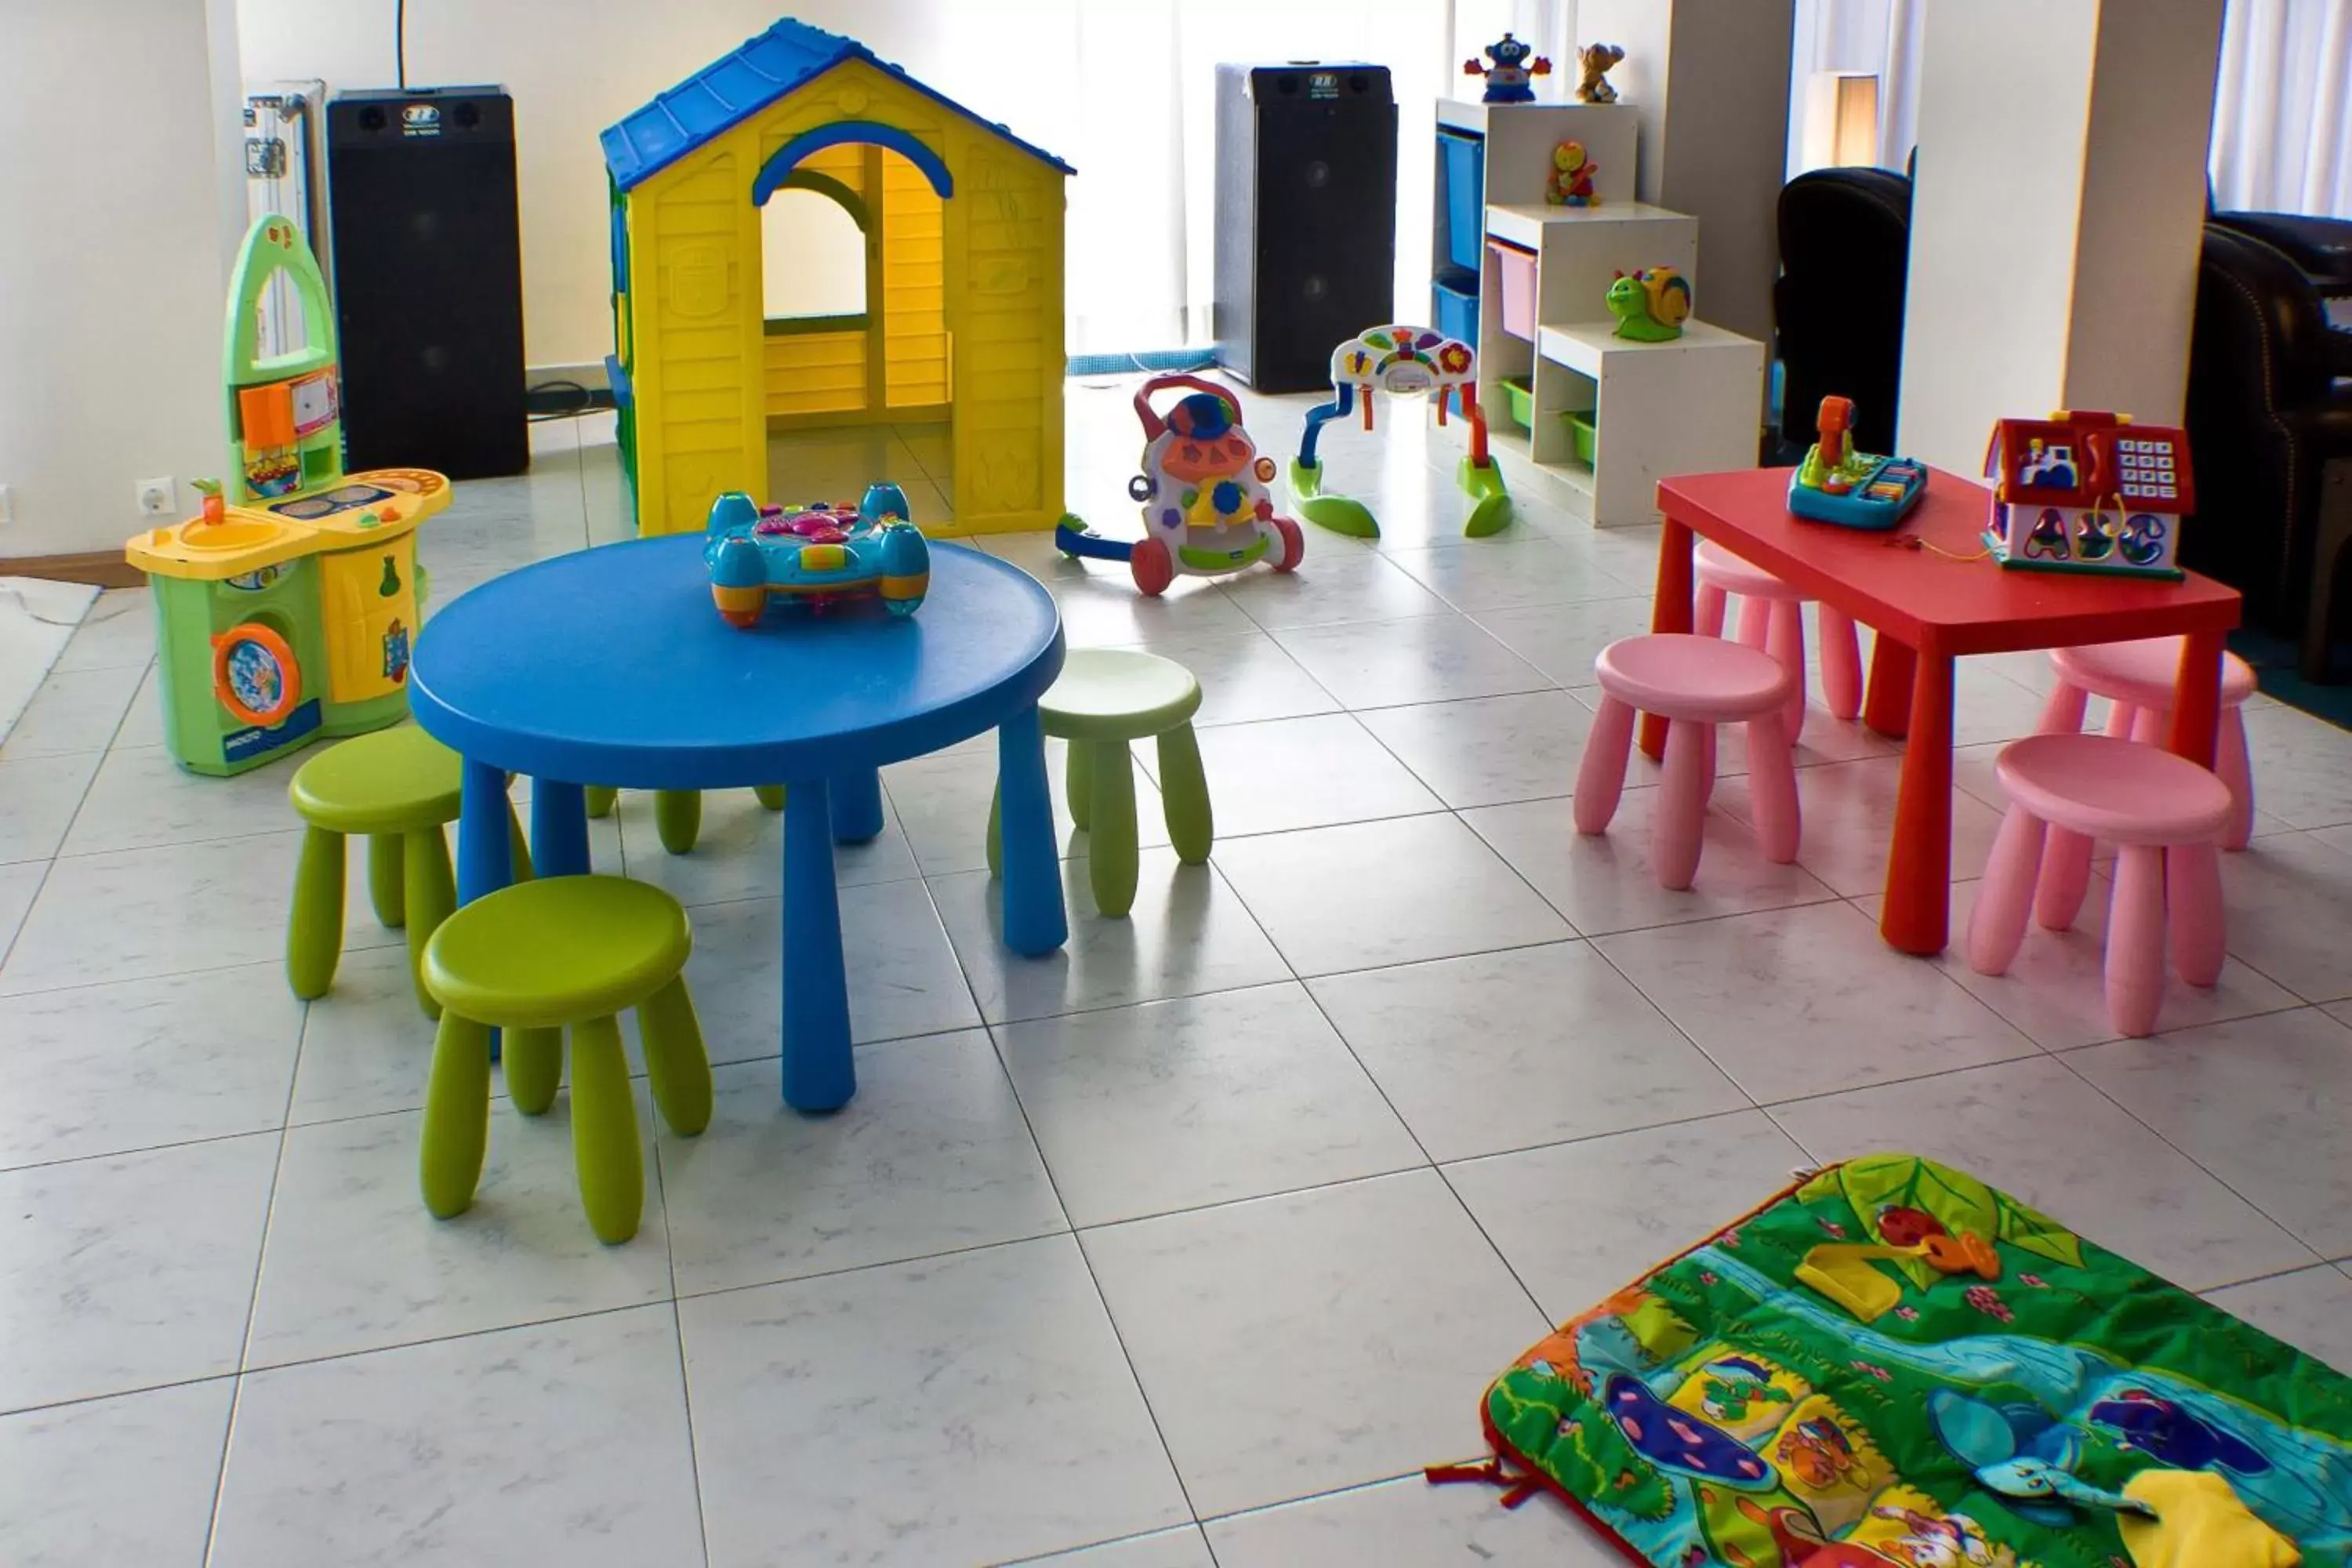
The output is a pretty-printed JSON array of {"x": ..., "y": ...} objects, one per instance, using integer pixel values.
[
  {"x": 1694, "y": 683},
  {"x": 2166, "y": 816},
  {"x": 2142, "y": 672},
  {"x": 1678, "y": 676},
  {"x": 1719, "y": 568},
  {"x": 2105, "y": 788},
  {"x": 1772, "y": 617},
  {"x": 2137, "y": 678}
]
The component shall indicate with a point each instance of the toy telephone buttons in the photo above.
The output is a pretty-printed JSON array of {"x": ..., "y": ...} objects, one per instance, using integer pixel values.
[{"x": 255, "y": 675}]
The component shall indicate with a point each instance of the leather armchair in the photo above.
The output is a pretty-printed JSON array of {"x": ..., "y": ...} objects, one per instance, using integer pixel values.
[
  {"x": 2320, "y": 247},
  {"x": 1837, "y": 306},
  {"x": 2267, "y": 415}
]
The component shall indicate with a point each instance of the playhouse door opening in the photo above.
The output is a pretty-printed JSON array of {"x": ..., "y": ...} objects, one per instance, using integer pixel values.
[{"x": 859, "y": 359}]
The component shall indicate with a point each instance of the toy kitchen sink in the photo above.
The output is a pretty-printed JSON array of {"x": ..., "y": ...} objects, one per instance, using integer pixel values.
[{"x": 285, "y": 613}]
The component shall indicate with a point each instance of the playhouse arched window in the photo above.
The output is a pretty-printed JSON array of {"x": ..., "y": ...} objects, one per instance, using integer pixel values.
[{"x": 813, "y": 254}]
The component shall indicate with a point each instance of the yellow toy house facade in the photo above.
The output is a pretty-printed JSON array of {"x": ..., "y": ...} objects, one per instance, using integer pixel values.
[{"x": 963, "y": 304}]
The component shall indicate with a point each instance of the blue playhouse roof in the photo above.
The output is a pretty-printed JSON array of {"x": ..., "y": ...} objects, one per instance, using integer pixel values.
[{"x": 729, "y": 90}]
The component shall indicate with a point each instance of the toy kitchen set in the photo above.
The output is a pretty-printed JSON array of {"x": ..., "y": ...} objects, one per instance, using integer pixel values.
[{"x": 285, "y": 612}]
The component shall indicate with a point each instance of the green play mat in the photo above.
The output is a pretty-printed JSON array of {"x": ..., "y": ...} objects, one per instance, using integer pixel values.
[{"x": 1896, "y": 1363}]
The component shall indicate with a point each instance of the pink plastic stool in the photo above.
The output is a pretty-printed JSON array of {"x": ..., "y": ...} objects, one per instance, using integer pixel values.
[
  {"x": 2166, "y": 816},
  {"x": 1772, "y": 617},
  {"x": 2137, "y": 678},
  {"x": 1695, "y": 683}
]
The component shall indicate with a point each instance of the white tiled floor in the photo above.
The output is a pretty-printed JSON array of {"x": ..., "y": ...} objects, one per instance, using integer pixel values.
[{"x": 1184, "y": 1248}]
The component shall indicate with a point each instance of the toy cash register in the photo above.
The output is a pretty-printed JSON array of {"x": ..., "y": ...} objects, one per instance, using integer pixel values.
[{"x": 1855, "y": 489}]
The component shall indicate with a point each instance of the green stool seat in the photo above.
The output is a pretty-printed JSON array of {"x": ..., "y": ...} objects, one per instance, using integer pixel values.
[
  {"x": 1105, "y": 699},
  {"x": 535, "y": 959},
  {"x": 547, "y": 953},
  {"x": 397, "y": 788}
]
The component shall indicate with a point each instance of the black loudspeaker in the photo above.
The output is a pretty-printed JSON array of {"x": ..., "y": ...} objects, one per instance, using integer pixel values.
[
  {"x": 1307, "y": 157},
  {"x": 428, "y": 280}
]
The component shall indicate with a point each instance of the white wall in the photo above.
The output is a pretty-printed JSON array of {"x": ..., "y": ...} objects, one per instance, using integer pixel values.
[
  {"x": 121, "y": 201},
  {"x": 1121, "y": 89},
  {"x": 2055, "y": 223}
]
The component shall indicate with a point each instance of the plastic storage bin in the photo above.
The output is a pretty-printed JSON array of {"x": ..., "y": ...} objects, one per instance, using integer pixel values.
[
  {"x": 1457, "y": 311},
  {"x": 1583, "y": 432},
  {"x": 1462, "y": 173},
  {"x": 1518, "y": 287},
  {"x": 1519, "y": 398}
]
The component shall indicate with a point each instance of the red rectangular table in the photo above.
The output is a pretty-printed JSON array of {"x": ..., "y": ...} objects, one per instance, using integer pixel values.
[{"x": 1932, "y": 595}]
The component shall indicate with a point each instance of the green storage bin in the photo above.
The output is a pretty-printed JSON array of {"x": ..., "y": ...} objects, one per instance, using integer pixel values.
[
  {"x": 1583, "y": 430},
  {"x": 1519, "y": 398}
]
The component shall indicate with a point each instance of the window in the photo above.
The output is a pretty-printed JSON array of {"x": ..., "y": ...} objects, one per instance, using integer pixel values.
[{"x": 813, "y": 259}]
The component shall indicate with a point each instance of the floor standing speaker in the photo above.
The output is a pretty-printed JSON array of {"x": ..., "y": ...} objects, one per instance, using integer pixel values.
[
  {"x": 428, "y": 280},
  {"x": 1307, "y": 159}
]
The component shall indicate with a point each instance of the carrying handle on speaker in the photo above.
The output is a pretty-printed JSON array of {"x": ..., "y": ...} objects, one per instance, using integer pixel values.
[{"x": 1153, "y": 423}]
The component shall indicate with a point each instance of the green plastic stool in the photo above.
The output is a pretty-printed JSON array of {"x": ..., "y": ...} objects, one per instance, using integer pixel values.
[
  {"x": 531, "y": 959},
  {"x": 1105, "y": 699},
  {"x": 397, "y": 787},
  {"x": 677, "y": 813}
]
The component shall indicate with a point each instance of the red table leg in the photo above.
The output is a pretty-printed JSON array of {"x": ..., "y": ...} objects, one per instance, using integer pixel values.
[
  {"x": 1887, "y": 709},
  {"x": 1670, "y": 611},
  {"x": 2197, "y": 698},
  {"x": 1919, "y": 869}
]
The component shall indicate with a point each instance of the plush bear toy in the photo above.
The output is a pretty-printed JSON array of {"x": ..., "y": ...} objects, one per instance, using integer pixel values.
[{"x": 1596, "y": 60}]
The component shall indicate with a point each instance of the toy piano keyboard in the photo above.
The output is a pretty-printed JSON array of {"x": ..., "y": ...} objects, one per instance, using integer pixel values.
[
  {"x": 1851, "y": 489},
  {"x": 1885, "y": 493}
]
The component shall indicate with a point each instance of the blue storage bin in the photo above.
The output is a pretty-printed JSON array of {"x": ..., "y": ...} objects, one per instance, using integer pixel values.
[
  {"x": 1457, "y": 311},
  {"x": 1461, "y": 166}
]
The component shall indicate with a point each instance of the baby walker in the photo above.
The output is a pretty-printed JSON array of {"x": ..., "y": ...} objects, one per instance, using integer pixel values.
[
  {"x": 1402, "y": 360},
  {"x": 1206, "y": 510}
]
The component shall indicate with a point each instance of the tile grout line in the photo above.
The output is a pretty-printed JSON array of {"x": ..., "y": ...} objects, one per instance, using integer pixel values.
[
  {"x": 2158, "y": 1134},
  {"x": 1429, "y": 1161},
  {"x": 252, "y": 1312}
]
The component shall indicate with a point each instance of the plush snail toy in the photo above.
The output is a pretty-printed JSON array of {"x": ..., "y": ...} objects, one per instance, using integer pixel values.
[{"x": 1650, "y": 305}]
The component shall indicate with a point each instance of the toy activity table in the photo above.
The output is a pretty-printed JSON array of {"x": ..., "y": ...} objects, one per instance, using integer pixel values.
[
  {"x": 1930, "y": 593},
  {"x": 607, "y": 665}
]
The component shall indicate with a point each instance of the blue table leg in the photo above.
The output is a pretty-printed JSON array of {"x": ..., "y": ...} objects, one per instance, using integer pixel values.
[
  {"x": 559, "y": 828},
  {"x": 484, "y": 852},
  {"x": 857, "y": 806},
  {"x": 484, "y": 846},
  {"x": 818, "y": 1072},
  {"x": 1035, "y": 921}
]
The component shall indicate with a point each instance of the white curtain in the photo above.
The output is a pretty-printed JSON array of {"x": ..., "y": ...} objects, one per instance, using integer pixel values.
[
  {"x": 2283, "y": 108},
  {"x": 1133, "y": 104},
  {"x": 1880, "y": 36}
]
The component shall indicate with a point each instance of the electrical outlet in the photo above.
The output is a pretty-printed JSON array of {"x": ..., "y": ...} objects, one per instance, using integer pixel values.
[
  {"x": 159, "y": 498},
  {"x": 7, "y": 506}
]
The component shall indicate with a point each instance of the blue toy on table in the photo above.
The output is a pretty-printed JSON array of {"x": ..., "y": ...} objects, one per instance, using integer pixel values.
[
  {"x": 814, "y": 554},
  {"x": 1853, "y": 489}
]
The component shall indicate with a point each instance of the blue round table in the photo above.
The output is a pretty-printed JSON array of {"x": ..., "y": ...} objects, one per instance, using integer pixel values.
[{"x": 611, "y": 667}]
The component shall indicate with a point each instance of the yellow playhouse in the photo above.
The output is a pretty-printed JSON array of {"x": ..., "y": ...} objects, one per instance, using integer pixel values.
[{"x": 962, "y": 318}]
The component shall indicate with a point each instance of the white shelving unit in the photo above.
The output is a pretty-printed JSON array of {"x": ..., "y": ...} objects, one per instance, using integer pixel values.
[
  {"x": 1579, "y": 253},
  {"x": 1685, "y": 407},
  {"x": 1514, "y": 144}
]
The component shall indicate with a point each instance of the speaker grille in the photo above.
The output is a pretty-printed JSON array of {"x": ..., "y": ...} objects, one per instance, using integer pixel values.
[
  {"x": 428, "y": 280},
  {"x": 1305, "y": 217}
]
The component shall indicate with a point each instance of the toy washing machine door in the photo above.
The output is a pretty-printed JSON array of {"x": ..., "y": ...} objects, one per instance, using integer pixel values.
[{"x": 255, "y": 676}]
